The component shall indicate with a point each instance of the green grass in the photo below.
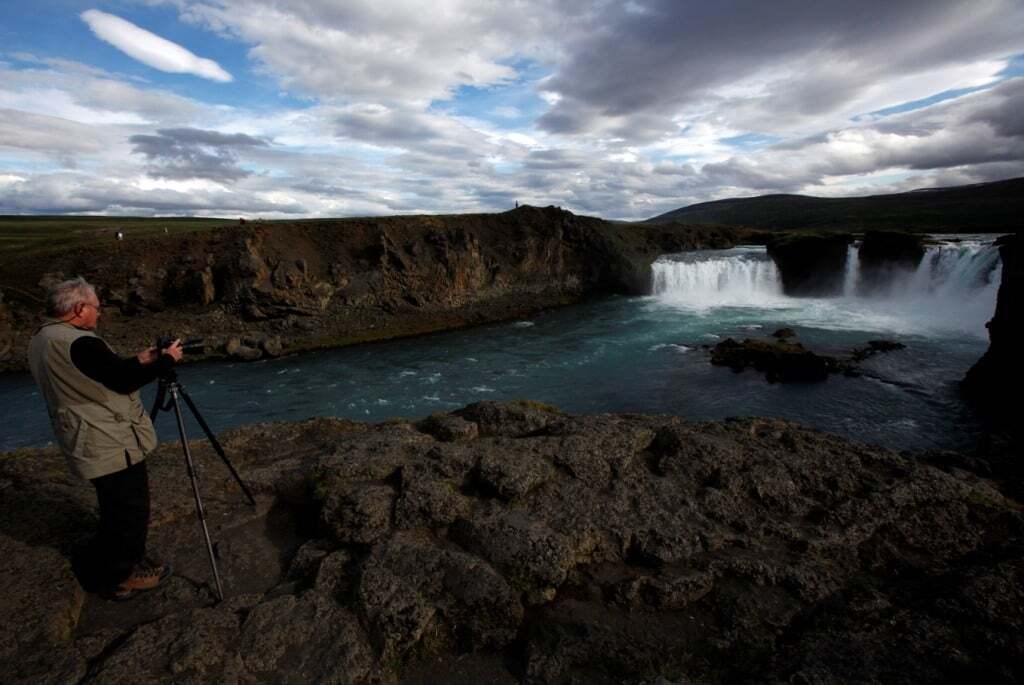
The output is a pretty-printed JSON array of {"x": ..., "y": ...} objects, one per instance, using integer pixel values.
[{"x": 36, "y": 235}]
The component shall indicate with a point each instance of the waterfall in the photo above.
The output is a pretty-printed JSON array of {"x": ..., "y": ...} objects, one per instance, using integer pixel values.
[
  {"x": 952, "y": 290},
  {"x": 742, "y": 276},
  {"x": 957, "y": 270},
  {"x": 852, "y": 276}
]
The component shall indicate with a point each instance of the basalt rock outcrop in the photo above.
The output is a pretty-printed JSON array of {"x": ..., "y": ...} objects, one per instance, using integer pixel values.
[
  {"x": 886, "y": 256},
  {"x": 334, "y": 282},
  {"x": 810, "y": 265},
  {"x": 994, "y": 382},
  {"x": 786, "y": 361},
  {"x": 778, "y": 360},
  {"x": 516, "y": 543}
]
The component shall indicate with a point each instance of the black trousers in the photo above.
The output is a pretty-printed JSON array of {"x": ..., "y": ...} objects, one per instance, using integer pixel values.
[{"x": 120, "y": 542}]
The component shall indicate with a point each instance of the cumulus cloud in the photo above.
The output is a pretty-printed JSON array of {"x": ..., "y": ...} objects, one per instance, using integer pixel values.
[
  {"x": 627, "y": 110},
  {"x": 151, "y": 49},
  {"x": 768, "y": 66},
  {"x": 365, "y": 50}
]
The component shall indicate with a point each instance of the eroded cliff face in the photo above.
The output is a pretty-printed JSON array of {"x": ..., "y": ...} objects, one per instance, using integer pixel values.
[
  {"x": 810, "y": 265},
  {"x": 263, "y": 289},
  {"x": 516, "y": 543},
  {"x": 994, "y": 382}
]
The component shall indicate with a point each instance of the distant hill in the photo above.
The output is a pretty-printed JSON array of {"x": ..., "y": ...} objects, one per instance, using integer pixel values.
[{"x": 996, "y": 207}]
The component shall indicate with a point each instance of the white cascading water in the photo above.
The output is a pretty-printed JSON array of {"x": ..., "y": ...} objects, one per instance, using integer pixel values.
[
  {"x": 954, "y": 287},
  {"x": 852, "y": 276},
  {"x": 742, "y": 276},
  {"x": 956, "y": 282}
]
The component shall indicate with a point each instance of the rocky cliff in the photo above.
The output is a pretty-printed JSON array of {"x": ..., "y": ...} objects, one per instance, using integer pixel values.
[
  {"x": 885, "y": 255},
  {"x": 263, "y": 289},
  {"x": 994, "y": 382},
  {"x": 514, "y": 543},
  {"x": 811, "y": 265}
]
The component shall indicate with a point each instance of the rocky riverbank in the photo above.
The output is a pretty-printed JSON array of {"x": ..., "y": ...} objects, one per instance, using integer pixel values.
[
  {"x": 516, "y": 543},
  {"x": 257, "y": 289}
]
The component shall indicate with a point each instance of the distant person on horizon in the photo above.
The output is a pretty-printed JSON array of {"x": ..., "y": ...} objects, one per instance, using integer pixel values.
[{"x": 103, "y": 431}]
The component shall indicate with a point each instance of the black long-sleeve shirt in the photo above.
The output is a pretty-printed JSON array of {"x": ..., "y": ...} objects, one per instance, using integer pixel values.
[{"x": 97, "y": 361}]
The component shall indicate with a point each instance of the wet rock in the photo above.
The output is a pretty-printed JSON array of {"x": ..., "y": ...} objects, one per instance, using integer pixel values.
[
  {"x": 783, "y": 333},
  {"x": 779, "y": 361},
  {"x": 875, "y": 347},
  {"x": 272, "y": 346},
  {"x": 236, "y": 348}
]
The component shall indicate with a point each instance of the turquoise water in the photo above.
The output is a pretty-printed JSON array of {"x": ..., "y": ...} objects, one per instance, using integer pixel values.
[{"x": 623, "y": 354}]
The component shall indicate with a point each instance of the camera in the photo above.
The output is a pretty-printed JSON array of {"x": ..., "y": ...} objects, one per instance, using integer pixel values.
[{"x": 190, "y": 346}]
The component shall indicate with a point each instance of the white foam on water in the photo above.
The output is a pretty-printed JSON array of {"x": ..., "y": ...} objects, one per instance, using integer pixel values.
[
  {"x": 670, "y": 346},
  {"x": 523, "y": 324},
  {"x": 482, "y": 388},
  {"x": 407, "y": 373}
]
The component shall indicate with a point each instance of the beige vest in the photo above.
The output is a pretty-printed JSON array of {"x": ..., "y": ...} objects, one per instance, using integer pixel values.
[{"x": 100, "y": 431}]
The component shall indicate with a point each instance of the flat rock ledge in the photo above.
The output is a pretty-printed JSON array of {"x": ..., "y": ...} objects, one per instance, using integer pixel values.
[{"x": 508, "y": 543}]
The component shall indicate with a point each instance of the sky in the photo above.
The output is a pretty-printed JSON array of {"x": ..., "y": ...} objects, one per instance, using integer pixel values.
[{"x": 623, "y": 110}]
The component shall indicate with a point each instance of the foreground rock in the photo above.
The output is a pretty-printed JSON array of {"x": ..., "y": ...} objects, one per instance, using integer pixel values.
[{"x": 515, "y": 543}]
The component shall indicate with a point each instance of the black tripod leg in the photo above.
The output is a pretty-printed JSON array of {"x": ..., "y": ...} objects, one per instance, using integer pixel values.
[
  {"x": 195, "y": 491},
  {"x": 216, "y": 445},
  {"x": 161, "y": 396}
]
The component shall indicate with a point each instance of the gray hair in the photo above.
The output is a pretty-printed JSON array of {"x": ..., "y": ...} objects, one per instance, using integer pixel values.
[{"x": 62, "y": 297}]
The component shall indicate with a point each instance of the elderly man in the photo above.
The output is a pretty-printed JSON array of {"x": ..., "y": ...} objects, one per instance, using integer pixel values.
[{"x": 103, "y": 431}]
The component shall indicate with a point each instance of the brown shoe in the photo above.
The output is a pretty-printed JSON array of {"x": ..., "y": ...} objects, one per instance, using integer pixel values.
[{"x": 144, "y": 577}]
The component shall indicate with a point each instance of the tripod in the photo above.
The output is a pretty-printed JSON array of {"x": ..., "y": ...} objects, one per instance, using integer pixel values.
[{"x": 171, "y": 386}]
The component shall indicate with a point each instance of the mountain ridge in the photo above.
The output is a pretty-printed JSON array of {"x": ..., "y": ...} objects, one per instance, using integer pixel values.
[{"x": 993, "y": 207}]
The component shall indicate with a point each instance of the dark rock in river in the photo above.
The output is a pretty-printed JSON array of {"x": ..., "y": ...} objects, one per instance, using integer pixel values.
[
  {"x": 875, "y": 347},
  {"x": 810, "y": 264},
  {"x": 885, "y": 255},
  {"x": 777, "y": 359},
  {"x": 539, "y": 547},
  {"x": 783, "y": 333}
]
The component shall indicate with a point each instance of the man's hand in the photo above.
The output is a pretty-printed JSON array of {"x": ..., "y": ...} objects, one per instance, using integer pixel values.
[
  {"x": 147, "y": 356},
  {"x": 173, "y": 350}
]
